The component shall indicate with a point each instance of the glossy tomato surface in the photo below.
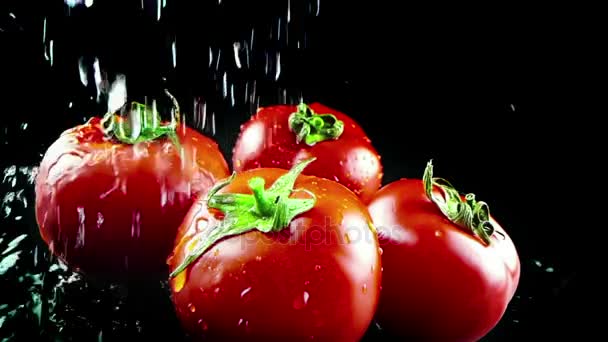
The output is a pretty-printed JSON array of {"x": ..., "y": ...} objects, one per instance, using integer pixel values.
[
  {"x": 317, "y": 280},
  {"x": 267, "y": 141},
  {"x": 439, "y": 282},
  {"x": 111, "y": 209}
]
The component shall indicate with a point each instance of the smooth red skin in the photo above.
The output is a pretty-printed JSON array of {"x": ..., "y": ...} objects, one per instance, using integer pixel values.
[
  {"x": 342, "y": 277},
  {"x": 147, "y": 178},
  {"x": 266, "y": 141},
  {"x": 439, "y": 283}
]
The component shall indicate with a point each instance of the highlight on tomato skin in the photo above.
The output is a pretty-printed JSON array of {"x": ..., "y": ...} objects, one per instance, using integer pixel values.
[
  {"x": 111, "y": 209},
  {"x": 282, "y": 135},
  {"x": 314, "y": 277},
  {"x": 446, "y": 276}
]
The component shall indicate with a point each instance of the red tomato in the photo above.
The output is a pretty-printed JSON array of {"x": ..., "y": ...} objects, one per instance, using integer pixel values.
[
  {"x": 109, "y": 208},
  {"x": 440, "y": 281},
  {"x": 314, "y": 277},
  {"x": 274, "y": 137}
]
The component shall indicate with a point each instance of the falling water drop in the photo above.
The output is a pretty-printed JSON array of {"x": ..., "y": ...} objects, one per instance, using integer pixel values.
[
  {"x": 288, "y": 11},
  {"x": 301, "y": 300},
  {"x": 50, "y": 58},
  {"x": 236, "y": 47},
  {"x": 278, "y": 66},
  {"x": 217, "y": 60},
  {"x": 364, "y": 288},
  {"x": 203, "y": 324},
  {"x": 232, "y": 100},
  {"x": 99, "y": 220},
  {"x": 210, "y": 56},
  {"x": 81, "y": 227},
  {"x": 317, "y": 267},
  {"x": 44, "y": 30},
  {"x": 212, "y": 123},
  {"x": 135, "y": 224},
  {"x": 225, "y": 84},
  {"x": 174, "y": 53},
  {"x": 245, "y": 292}
]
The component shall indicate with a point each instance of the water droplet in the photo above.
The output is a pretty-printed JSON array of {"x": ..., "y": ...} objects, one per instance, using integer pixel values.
[
  {"x": 317, "y": 267},
  {"x": 191, "y": 307},
  {"x": 24, "y": 126},
  {"x": 382, "y": 269},
  {"x": 438, "y": 233},
  {"x": 245, "y": 292},
  {"x": 364, "y": 288},
  {"x": 258, "y": 258},
  {"x": 380, "y": 250},
  {"x": 99, "y": 220},
  {"x": 203, "y": 324},
  {"x": 301, "y": 300},
  {"x": 306, "y": 283},
  {"x": 217, "y": 290},
  {"x": 549, "y": 270},
  {"x": 538, "y": 263},
  {"x": 243, "y": 322}
]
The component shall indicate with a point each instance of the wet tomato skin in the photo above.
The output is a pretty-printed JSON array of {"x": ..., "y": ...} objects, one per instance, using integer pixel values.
[
  {"x": 110, "y": 209},
  {"x": 316, "y": 280},
  {"x": 440, "y": 283},
  {"x": 267, "y": 141}
]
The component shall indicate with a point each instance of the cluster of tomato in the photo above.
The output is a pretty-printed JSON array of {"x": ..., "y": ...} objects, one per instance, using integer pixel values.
[{"x": 302, "y": 241}]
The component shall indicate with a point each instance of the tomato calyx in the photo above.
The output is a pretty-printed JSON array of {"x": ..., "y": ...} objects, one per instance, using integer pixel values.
[
  {"x": 266, "y": 210},
  {"x": 467, "y": 213},
  {"x": 143, "y": 124},
  {"x": 313, "y": 128}
]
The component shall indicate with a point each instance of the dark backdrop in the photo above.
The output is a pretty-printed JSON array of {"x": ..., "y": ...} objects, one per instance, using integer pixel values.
[{"x": 494, "y": 95}]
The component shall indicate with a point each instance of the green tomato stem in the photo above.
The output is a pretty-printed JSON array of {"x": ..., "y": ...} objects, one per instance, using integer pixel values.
[
  {"x": 143, "y": 124},
  {"x": 313, "y": 128},
  {"x": 266, "y": 210},
  {"x": 468, "y": 213}
]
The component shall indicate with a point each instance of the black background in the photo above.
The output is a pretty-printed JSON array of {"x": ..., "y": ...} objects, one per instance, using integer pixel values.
[{"x": 497, "y": 97}]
